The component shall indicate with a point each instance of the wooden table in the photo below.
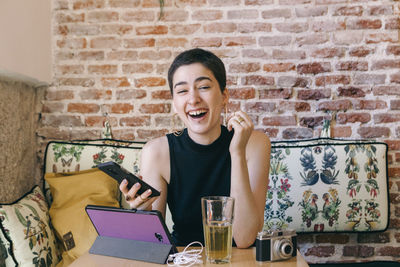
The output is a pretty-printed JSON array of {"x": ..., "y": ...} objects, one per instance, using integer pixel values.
[{"x": 240, "y": 258}]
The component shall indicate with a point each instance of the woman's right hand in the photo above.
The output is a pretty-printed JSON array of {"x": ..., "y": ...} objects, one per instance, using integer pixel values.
[{"x": 135, "y": 201}]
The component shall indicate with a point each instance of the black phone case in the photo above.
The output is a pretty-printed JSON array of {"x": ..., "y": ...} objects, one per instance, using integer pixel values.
[{"x": 118, "y": 173}]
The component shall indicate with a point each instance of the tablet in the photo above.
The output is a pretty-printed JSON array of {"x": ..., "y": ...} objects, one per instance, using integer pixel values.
[{"x": 138, "y": 225}]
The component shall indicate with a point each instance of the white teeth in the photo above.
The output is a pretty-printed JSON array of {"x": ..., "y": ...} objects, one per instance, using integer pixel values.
[{"x": 196, "y": 112}]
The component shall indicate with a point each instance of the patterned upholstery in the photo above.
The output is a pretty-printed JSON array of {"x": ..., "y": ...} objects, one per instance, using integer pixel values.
[{"x": 328, "y": 185}]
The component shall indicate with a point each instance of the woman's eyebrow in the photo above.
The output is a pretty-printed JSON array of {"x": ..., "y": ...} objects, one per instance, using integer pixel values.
[{"x": 199, "y": 79}]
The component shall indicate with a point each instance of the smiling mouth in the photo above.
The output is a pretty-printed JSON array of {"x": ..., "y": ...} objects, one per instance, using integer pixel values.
[{"x": 197, "y": 114}]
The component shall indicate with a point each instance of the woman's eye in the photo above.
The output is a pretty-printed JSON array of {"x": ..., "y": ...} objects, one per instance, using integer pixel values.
[
  {"x": 181, "y": 91},
  {"x": 204, "y": 87}
]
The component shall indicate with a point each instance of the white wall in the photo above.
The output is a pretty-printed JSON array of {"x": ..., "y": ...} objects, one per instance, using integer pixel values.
[{"x": 25, "y": 40}]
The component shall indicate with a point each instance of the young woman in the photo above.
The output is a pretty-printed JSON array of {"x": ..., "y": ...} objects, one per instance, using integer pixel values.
[{"x": 205, "y": 158}]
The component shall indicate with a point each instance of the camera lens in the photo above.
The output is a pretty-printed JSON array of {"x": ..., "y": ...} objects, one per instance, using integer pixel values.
[{"x": 285, "y": 248}]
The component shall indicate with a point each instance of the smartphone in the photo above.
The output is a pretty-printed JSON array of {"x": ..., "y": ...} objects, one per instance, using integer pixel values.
[{"x": 119, "y": 173}]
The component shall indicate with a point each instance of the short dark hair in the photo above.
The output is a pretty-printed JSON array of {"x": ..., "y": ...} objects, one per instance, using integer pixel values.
[{"x": 204, "y": 57}]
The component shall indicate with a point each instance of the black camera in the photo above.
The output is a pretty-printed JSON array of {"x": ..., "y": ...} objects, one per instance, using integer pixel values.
[{"x": 276, "y": 245}]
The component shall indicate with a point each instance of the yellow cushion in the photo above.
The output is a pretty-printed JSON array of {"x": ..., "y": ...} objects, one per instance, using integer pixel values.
[{"x": 71, "y": 193}]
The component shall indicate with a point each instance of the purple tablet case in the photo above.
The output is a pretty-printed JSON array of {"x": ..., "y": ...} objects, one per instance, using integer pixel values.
[{"x": 131, "y": 234}]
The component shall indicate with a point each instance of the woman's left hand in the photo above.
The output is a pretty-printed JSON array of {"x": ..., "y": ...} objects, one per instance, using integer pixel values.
[{"x": 243, "y": 126}]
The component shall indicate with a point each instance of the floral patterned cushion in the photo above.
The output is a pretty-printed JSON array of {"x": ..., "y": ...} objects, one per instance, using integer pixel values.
[
  {"x": 328, "y": 185},
  {"x": 26, "y": 225},
  {"x": 61, "y": 157},
  {"x": 6, "y": 256}
]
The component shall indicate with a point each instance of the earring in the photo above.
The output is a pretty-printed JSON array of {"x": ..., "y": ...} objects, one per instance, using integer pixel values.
[{"x": 174, "y": 130}]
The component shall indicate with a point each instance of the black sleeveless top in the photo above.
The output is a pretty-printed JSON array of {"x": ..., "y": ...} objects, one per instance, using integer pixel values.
[{"x": 196, "y": 171}]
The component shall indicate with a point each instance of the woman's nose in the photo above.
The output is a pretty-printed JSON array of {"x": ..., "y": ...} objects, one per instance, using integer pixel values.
[{"x": 193, "y": 96}]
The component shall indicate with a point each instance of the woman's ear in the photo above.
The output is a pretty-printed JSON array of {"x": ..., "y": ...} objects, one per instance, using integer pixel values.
[{"x": 225, "y": 96}]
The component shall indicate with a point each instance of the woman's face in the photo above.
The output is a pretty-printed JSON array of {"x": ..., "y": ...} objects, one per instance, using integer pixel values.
[{"x": 198, "y": 100}]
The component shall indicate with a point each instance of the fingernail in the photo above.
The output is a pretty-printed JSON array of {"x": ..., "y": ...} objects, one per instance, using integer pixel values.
[
  {"x": 148, "y": 191},
  {"x": 137, "y": 185},
  {"x": 124, "y": 181}
]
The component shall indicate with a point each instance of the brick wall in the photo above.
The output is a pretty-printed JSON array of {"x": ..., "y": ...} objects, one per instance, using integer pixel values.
[{"x": 290, "y": 64}]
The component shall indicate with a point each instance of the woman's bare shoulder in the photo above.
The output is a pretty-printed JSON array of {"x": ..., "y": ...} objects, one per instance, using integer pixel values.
[
  {"x": 156, "y": 147},
  {"x": 258, "y": 138}
]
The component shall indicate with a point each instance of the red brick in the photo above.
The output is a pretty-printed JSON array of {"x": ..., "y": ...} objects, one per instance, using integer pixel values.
[
  {"x": 155, "y": 3},
  {"x": 70, "y": 69},
  {"x": 360, "y": 78},
  {"x": 360, "y": 51},
  {"x": 137, "y": 68},
  {"x": 380, "y": 10},
  {"x": 155, "y": 108},
  {"x": 119, "y": 108},
  {"x": 139, "y": 43},
  {"x": 395, "y": 104},
  {"x": 311, "y": 11},
  {"x": 259, "y": 107},
  {"x": 94, "y": 94},
  {"x": 394, "y": 197},
  {"x": 207, "y": 15},
  {"x": 257, "y": 2},
  {"x": 350, "y": 92},
  {"x": 54, "y": 133},
  {"x": 124, "y": 3},
  {"x": 60, "y": 5},
  {"x": 130, "y": 94},
  {"x": 297, "y": 133},
  {"x": 172, "y": 42},
  {"x": 358, "y": 251},
  {"x": 115, "y": 82},
  {"x": 242, "y": 93},
  {"x": 279, "y": 67},
  {"x": 293, "y": 27},
  {"x": 271, "y": 132},
  {"x": 255, "y": 53},
  {"x": 125, "y": 134},
  {"x": 341, "y": 132},
  {"x": 288, "y": 54},
  {"x": 348, "y": 11},
  {"x": 98, "y": 121},
  {"x": 344, "y": 118},
  {"x": 393, "y": 144},
  {"x": 242, "y": 14},
  {"x": 244, "y": 67},
  {"x": 105, "y": 42},
  {"x": 59, "y": 94},
  {"x": 102, "y": 16},
  {"x": 348, "y": 37},
  {"x": 279, "y": 121},
  {"x": 328, "y": 52},
  {"x": 239, "y": 41},
  {"x": 179, "y": 29},
  {"x": 334, "y": 105},
  {"x": 161, "y": 94},
  {"x": 150, "y": 82},
  {"x": 116, "y": 29},
  {"x": 83, "y": 108},
  {"x": 312, "y": 122},
  {"x": 375, "y": 38},
  {"x": 207, "y": 42},
  {"x": 84, "y": 29},
  {"x": 257, "y": 80},
  {"x": 275, "y": 93},
  {"x": 61, "y": 30},
  {"x": 52, "y": 107},
  {"x": 290, "y": 81},
  {"x": 394, "y": 223},
  {"x": 146, "y": 135},
  {"x": 388, "y": 251},
  {"x": 72, "y": 43},
  {"x": 312, "y": 39},
  {"x": 332, "y": 79},
  {"x": 62, "y": 120},
  {"x": 327, "y": 25},
  {"x": 254, "y": 27},
  {"x": 386, "y": 90},
  {"x": 84, "y": 82},
  {"x": 373, "y": 132},
  {"x": 386, "y": 118},
  {"x": 313, "y": 94},
  {"x": 275, "y": 40},
  {"x": 358, "y": 24},
  {"x": 221, "y": 3},
  {"x": 91, "y": 55},
  {"x": 352, "y": 65},
  {"x": 393, "y": 50},
  {"x": 135, "y": 121},
  {"x": 88, "y": 4},
  {"x": 314, "y": 68},
  {"x": 293, "y": 106},
  {"x": 220, "y": 27},
  {"x": 138, "y": 16},
  {"x": 294, "y": 2},
  {"x": 85, "y": 134},
  {"x": 320, "y": 251},
  {"x": 174, "y": 15},
  {"x": 149, "y": 30},
  {"x": 276, "y": 13},
  {"x": 392, "y": 24},
  {"x": 395, "y": 78},
  {"x": 386, "y": 64},
  {"x": 332, "y": 238},
  {"x": 155, "y": 55},
  {"x": 102, "y": 69},
  {"x": 122, "y": 55}
]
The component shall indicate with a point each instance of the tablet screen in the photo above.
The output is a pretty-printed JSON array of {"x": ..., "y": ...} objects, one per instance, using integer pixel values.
[{"x": 138, "y": 225}]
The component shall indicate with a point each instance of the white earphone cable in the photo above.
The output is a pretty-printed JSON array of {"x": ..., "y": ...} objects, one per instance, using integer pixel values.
[{"x": 186, "y": 257}]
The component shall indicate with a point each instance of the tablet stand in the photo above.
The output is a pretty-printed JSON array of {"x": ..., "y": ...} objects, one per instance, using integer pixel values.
[{"x": 131, "y": 249}]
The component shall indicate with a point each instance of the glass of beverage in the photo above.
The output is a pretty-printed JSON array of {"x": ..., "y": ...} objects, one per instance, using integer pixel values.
[{"x": 217, "y": 212}]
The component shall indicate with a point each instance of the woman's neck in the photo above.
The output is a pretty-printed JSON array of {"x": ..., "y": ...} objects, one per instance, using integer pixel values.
[{"x": 207, "y": 137}]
